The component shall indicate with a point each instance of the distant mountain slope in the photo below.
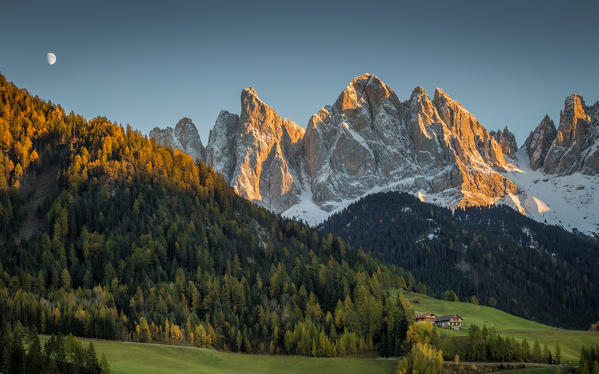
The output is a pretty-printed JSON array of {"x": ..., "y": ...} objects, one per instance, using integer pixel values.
[
  {"x": 505, "y": 259},
  {"x": 369, "y": 141}
]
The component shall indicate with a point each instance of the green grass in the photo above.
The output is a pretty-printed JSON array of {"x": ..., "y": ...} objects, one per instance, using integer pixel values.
[
  {"x": 472, "y": 314},
  {"x": 571, "y": 341},
  {"x": 158, "y": 359}
]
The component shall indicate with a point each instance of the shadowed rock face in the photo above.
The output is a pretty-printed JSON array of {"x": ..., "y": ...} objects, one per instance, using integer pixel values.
[
  {"x": 184, "y": 137},
  {"x": 506, "y": 140},
  {"x": 539, "y": 141},
  {"x": 573, "y": 147},
  {"x": 222, "y": 142}
]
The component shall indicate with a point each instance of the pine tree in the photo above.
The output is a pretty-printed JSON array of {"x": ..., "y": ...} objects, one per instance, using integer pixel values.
[{"x": 536, "y": 352}]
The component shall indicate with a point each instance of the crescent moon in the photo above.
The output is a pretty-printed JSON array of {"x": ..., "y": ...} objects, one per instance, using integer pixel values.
[{"x": 51, "y": 57}]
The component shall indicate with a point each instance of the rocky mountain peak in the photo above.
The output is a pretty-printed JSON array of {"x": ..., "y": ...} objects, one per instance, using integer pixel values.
[
  {"x": 249, "y": 91},
  {"x": 256, "y": 114},
  {"x": 506, "y": 140},
  {"x": 416, "y": 92},
  {"x": 574, "y": 112},
  {"x": 441, "y": 97},
  {"x": 185, "y": 123},
  {"x": 539, "y": 141},
  {"x": 184, "y": 136},
  {"x": 575, "y": 145},
  {"x": 256, "y": 151},
  {"x": 222, "y": 141},
  {"x": 423, "y": 112},
  {"x": 364, "y": 90}
]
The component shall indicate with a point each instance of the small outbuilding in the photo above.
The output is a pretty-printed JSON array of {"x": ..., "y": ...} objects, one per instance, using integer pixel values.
[{"x": 425, "y": 318}]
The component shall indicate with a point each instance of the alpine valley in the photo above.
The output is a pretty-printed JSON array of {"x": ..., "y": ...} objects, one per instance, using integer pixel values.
[
  {"x": 106, "y": 233},
  {"x": 369, "y": 141}
]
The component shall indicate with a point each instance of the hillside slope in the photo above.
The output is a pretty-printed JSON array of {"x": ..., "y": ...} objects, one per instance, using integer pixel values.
[
  {"x": 570, "y": 341},
  {"x": 138, "y": 242},
  {"x": 505, "y": 259}
]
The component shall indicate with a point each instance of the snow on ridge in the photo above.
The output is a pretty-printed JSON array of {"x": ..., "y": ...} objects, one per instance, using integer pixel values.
[
  {"x": 567, "y": 201},
  {"x": 570, "y": 201}
]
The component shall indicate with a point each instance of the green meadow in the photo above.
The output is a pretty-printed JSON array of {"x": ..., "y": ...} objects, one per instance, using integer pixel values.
[
  {"x": 133, "y": 358},
  {"x": 571, "y": 341}
]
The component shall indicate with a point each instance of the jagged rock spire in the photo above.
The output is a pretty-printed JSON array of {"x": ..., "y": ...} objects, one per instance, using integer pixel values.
[
  {"x": 539, "y": 141},
  {"x": 506, "y": 140},
  {"x": 184, "y": 136}
]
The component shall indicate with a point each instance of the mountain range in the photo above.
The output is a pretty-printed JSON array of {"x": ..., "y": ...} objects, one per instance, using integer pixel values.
[{"x": 370, "y": 141}]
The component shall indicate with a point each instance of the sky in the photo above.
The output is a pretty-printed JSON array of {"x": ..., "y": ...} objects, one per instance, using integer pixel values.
[{"x": 150, "y": 63}]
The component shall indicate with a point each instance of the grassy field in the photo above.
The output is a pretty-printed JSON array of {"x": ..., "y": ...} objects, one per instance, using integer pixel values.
[
  {"x": 159, "y": 359},
  {"x": 571, "y": 341}
]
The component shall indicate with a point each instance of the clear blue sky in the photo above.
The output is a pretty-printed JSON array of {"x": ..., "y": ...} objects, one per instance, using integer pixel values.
[{"x": 149, "y": 63}]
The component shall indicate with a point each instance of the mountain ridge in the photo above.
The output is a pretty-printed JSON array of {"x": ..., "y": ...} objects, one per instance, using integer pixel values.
[{"x": 368, "y": 140}]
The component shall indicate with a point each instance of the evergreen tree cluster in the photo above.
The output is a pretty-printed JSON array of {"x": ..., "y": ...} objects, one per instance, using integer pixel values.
[
  {"x": 492, "y": 256},
  {"x": 23, "y": 353},
  {"x": 485, "y": 344},
  {"x": 589, "y": 360}
]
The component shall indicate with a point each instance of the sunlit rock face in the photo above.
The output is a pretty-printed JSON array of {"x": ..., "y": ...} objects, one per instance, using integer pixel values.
[
  {"x": 355, "y": 144},
  {"x": 184, "y": 137},
  {"x": 575, "y": 146},
  {"x": 257, "y": 152},
  {"x": 369, "y": 139}
]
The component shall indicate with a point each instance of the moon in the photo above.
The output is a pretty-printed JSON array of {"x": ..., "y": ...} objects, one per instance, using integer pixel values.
[{"x": 51, "y": 57}]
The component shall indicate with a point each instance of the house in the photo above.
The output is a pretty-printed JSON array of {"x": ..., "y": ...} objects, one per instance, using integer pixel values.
[
  {"x": 452, "y": 321},
  {"x": 425, "y": 318}
]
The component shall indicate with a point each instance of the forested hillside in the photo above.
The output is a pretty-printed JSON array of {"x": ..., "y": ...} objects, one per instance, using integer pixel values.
[
  {"x": 103, "y": 233},
  {"x": 496, "y": 255}
]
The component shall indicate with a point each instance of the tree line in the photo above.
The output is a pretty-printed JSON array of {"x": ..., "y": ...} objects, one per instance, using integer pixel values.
[
  {"x": 485, "y": 344},
  {"x": 23, "y": 353}
]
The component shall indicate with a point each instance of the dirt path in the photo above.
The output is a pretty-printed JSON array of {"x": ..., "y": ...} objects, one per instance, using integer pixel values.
[{"x": 173, "y": 346}]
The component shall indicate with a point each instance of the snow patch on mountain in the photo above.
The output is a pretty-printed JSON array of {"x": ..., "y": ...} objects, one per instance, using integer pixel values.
[{"x": 570, "y": 201}]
